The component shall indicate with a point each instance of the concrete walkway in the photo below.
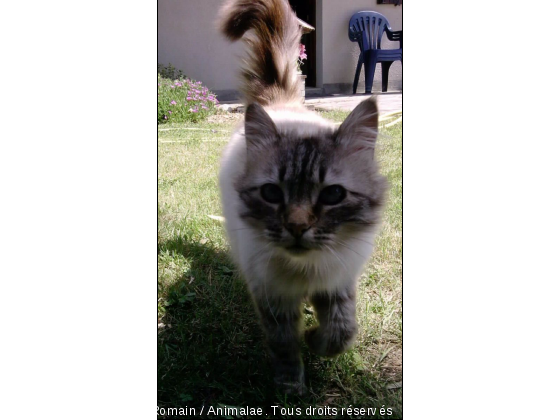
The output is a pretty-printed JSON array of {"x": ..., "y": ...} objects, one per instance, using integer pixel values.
[{"x": 387, "y": 102}]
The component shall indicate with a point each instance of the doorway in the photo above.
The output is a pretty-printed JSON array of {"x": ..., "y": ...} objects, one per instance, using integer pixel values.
[{"x": 306, "y": 10}]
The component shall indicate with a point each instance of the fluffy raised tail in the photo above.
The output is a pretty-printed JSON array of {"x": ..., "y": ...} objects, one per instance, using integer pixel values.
[{"x": 269, "y": 73}]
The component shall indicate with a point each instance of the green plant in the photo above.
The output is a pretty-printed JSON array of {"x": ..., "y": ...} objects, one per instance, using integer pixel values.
[
  {"x": 182, "y": 99},
  {"x": 170, "y": 72}
]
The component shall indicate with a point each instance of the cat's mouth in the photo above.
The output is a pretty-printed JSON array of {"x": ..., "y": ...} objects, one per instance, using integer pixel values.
[{"x": 297, "y": 249}]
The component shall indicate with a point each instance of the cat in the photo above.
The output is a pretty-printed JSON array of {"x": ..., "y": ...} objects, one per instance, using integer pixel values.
[{"x": 302, "y": 197}]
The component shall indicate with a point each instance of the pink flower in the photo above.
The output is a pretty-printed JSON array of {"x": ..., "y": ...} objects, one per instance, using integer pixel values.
[
  {"x": 169, "y": 112},
  {"x": 173, "y": 103},
  {"x": 302, "y": 54}
]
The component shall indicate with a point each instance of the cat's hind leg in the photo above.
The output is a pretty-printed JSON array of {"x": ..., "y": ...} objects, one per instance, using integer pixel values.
[{"x": 337, "y": 329}]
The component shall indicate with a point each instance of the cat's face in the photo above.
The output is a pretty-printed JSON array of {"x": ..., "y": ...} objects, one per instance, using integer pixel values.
[{"x": 311, "y": 192}]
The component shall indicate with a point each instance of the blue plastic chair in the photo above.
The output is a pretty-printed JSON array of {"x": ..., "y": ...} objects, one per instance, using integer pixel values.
[{"x": 367, "y": 28}]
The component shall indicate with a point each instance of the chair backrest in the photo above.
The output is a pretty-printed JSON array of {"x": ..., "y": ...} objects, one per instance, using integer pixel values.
[{"x": 367, "y": 29}]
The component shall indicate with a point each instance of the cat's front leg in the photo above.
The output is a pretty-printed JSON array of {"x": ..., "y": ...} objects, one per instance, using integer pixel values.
[
  {"x": 337, "y": 329},
  {"x": 281, "y": 320}
]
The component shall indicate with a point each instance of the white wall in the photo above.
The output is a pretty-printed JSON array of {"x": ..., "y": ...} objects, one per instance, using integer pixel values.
[{"x": 188, "y": 39}]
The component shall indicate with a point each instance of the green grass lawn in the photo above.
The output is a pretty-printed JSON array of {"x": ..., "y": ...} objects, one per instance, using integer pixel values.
[{"x": 211, "y": 350}]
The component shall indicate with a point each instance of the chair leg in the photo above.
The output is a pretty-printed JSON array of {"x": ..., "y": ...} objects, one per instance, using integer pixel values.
[
  {"x": 385, "y": 65},
  {"x": 370, "y": 61},
  {"x": 358, "y": 71}
]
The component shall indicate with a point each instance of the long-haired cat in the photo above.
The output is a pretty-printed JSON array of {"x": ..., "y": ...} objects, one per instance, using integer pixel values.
[{"x": 301, "y": 196}]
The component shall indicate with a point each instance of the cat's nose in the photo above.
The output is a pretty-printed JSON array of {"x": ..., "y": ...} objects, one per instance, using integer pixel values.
[
  {"x": 299, "y": 220},
  {"x": 297, "y": 229}
]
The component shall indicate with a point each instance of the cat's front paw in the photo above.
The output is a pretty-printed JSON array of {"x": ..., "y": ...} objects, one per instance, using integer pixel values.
[
  {"x": 290, "y": 384},
  {"x": 315, "y": 341},
  {"x": 329, "y": 343},
  {"x": 292, "y": 388}
]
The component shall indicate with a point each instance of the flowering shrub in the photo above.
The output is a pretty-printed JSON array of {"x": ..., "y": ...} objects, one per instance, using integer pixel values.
[{"x": 183, "y": 100}]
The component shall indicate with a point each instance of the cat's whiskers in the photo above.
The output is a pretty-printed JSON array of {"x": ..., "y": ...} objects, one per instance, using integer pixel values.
[
  {"x": 359, "y": 239},
  {"x": 236, "y": 230},
  {"x": 345, "y": 245},
  {"x": 260, "y": 235},
  {"x": 336, "y": 255}
]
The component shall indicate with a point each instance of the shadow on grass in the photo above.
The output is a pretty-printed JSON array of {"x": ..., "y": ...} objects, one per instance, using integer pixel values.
[{"x": 211, "y": 351}]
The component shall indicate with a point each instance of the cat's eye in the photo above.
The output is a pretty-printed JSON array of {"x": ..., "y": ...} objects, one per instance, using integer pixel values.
[
  {"x": 272, "y": 193},
  {"x": 332, "y": 195}
]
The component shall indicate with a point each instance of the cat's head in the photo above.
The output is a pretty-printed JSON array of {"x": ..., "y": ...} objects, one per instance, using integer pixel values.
[{"x": 311, "y": 190}]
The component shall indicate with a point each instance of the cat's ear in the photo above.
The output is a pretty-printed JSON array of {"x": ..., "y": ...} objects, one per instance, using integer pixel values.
[
  {"x": 359, "y": 130},
  {"x": 260, "y": 130}
]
